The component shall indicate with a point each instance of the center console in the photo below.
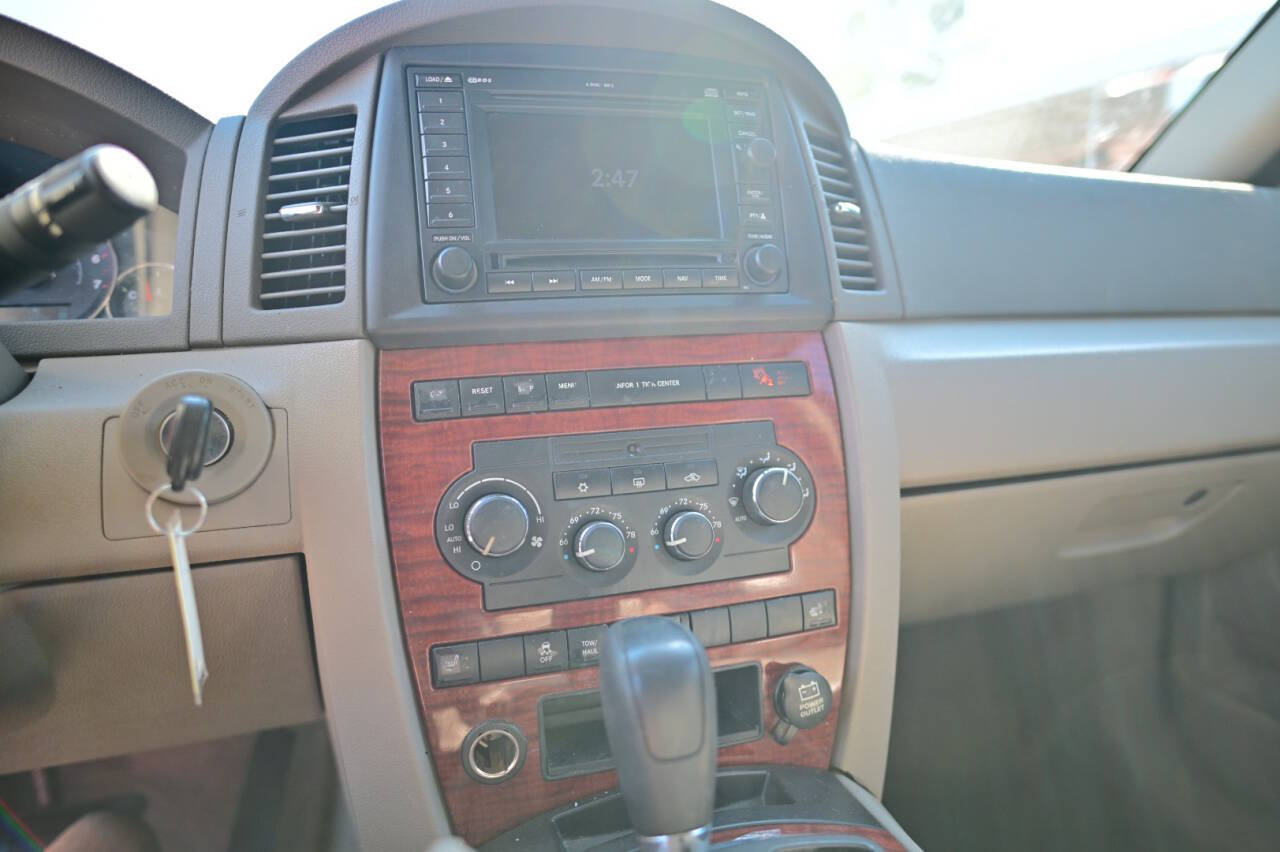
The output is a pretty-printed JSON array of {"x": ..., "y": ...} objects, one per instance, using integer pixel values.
[{"x": 538, "y": 493}]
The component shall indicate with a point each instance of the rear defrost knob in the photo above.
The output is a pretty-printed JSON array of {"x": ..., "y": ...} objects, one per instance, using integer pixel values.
[{"x": 454, "y": 269}]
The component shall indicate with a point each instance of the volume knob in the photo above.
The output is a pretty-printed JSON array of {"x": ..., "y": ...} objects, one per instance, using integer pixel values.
[
  {"x": 773, "y": 495},
  {"x": 496, "y": 525},
  {"x": 454, "y": 269}
]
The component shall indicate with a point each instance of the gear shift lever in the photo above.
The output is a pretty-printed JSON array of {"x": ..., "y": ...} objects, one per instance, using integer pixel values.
[{"x": 660, "y": 715}]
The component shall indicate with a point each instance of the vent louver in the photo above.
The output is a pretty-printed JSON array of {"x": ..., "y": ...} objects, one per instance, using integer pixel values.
[
  {"x": 844, "y": 210},
  {"x": 304, "y": 234}
]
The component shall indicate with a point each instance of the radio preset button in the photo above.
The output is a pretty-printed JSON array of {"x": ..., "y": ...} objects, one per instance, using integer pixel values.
[
  {"x": 441, "y": 122},
  {"x": 601, "y": 280},
  {"x": 681, "y": 278},
  {"x": 439, "y": 101},
  {"x": 642, "y": 279},
  {"x": 444, "y": 143},
  {"x": 448, "y": 191},
  {"x": 447, "y": 167},
  {"x": 451, "y": 216},
  {"x": 550, "y": 282}
]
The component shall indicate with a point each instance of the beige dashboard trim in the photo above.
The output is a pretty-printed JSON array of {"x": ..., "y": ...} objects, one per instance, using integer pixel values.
[{"x": 871, "y": 464}]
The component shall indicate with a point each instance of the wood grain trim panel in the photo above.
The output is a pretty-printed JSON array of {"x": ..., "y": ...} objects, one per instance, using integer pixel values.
[
  {"x": 879, "y": 836},
  {"x": 419, "y": 460}
]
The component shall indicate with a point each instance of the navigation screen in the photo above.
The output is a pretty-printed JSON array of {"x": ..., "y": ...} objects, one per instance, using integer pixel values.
[{"x": 602, "y": 177}]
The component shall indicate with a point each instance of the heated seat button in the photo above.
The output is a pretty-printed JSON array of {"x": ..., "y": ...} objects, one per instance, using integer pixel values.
[
  {"x": 455, "y": 664},
  {"x": 546, "y": 652}
]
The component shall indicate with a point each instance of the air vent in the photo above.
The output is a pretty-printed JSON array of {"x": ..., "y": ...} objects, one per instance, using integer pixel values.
[
  {"x": 844, "y": 210},
  {"x": 304, "y": 235}
]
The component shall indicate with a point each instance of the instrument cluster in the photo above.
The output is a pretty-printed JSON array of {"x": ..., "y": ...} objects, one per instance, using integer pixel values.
[{"x": 130, "y": 275}]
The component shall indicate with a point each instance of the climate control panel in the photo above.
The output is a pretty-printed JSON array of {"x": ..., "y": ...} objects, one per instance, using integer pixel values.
[{"x": 541, "y": 520}]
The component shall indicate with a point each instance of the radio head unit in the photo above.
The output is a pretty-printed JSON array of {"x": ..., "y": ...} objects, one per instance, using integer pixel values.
[{"x": 535, "y": 182}]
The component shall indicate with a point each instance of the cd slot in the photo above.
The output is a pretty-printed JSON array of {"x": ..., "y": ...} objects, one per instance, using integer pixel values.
[{"x": 609, "y": 260}]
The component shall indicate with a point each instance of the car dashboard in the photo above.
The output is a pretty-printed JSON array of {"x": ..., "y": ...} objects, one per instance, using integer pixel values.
[{"x": 520, "y": 332}]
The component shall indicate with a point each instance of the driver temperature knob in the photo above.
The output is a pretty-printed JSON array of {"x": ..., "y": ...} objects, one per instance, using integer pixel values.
[
  {"x": 600, "y": 546},
  {"x": 773, "y": 495},
  {"x": 496, "y": 525},
  {"x": 689, "y": 536}
]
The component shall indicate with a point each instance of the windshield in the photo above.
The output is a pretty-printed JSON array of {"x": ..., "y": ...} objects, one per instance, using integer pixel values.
[{"x": 1089, "y": 83}]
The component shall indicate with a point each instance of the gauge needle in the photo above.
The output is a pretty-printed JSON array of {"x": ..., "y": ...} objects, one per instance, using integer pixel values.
[
  {"x": 677, "y": 542},
  {"x": 585, "y": 553},
  {"x": 492, "y": 539},
  {"x": 147, "y": 284}
]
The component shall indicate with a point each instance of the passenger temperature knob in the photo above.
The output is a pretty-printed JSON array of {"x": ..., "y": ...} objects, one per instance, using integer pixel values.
[
  {"x": 773, "y": 495},
  {"x": 689, "y": 535},
  {"x": 496, "y": 525}
]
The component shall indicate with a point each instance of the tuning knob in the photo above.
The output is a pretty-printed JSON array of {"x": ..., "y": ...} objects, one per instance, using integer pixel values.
[
  {"x": 763, "y": 264},
  {"x": 688, "y": 535},
  {"x": 761, "y": 153},
  {"x": 600, "y": 546},
  {"x": 454, "y": 269},
  {"x": 496, "y": 525},
  {"x": 773, "y": 495}
]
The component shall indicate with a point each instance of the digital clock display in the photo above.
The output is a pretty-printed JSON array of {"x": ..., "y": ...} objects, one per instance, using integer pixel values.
[{"x": 560, "y": 176}]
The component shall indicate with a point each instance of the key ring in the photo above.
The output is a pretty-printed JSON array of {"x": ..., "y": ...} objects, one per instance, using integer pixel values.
[{"x": 166, "y": 487}]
